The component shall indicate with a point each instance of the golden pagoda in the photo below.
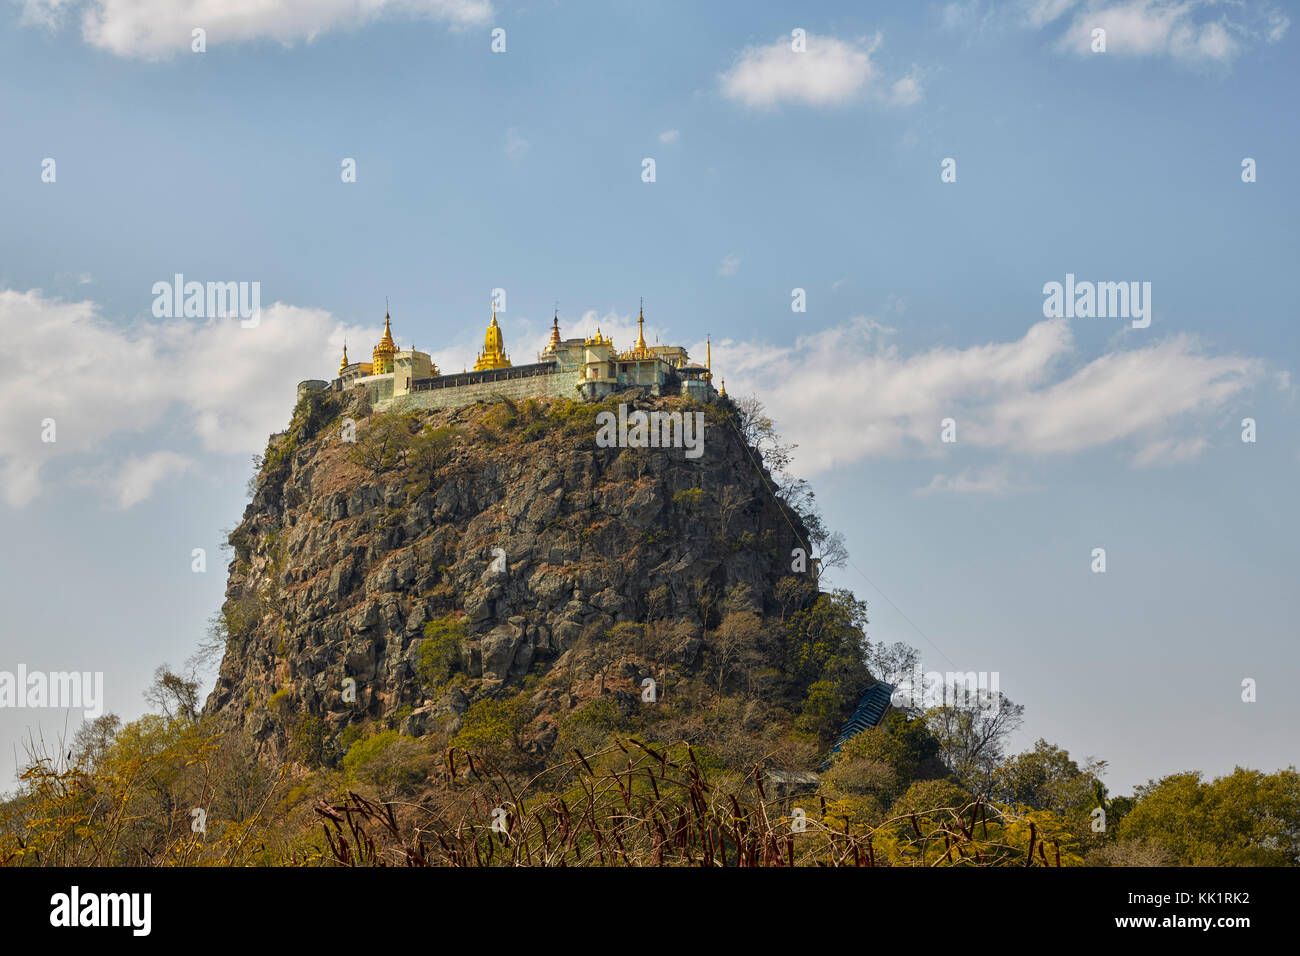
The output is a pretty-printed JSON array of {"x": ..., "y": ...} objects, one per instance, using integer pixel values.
[
  {"x": 554, "y": 342},
  {"x": 494, "y": 351},
  {"x": 384, "y": 351},
  {"x": 640, "y": 350}
]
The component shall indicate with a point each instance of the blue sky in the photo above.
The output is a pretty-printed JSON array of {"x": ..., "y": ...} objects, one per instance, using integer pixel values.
[{"x": 774, "y": 170}]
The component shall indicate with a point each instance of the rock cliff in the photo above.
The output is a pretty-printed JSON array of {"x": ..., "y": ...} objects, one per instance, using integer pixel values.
[{"x": 508, "y": 521}]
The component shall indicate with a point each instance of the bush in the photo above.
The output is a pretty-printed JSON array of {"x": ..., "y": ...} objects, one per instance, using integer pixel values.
[
  {"x": 385, "y": 760},
  {"x": 439, "y": 654},
  {"x": 588, "y": 729},
  {"x": 494, "y": 728},
  {"x": 689, "y": 500},
  {"x": 307, "y": 740}
]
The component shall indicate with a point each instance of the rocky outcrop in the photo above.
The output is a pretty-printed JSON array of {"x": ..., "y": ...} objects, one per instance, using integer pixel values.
[{"x": 519, "y": 527}]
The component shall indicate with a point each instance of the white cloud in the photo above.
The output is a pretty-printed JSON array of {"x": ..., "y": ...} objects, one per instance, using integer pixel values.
[
  {"x": 223, "y": 388},
  {"x": 959, "y": 15},
  {"x": 139, "y": 476},
  {"x": 1169, "y": 451},
  {"x": 669, "y": 136},
  {"x": 829, "y": 72},
  {"x": 1278, "y": 23},
  {"x": 1039, "y": 13},
  {"x": 969, "y": 481},
  {"x": 730, "y": 265},
  {"x": 160, "y": 29},
  {"x": 906, "y": 90},
  {"x": 217, "y": 387},
  {"x": 516, "y": 146},
  {"x": 229, "y": 386},
  {"x": 1033, "y": 396},
  {"x": 1191, "y": 31}
]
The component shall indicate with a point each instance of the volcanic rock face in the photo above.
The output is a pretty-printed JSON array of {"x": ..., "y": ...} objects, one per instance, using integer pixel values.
[{"x": 516, "y": 524}]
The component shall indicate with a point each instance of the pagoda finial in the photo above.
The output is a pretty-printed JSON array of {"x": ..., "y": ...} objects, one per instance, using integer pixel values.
[
  {"x": 554, "y": 342},
  {"x": 382, "y": 358},
  {"x": 344, "y": 364},
  {"x": 640, "y": 328},
  {"x": 493, "y": 355}
]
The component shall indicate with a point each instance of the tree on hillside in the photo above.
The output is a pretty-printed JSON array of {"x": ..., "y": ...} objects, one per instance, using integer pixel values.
[
  {"x": 824, "y": 651},
  {"x": 174, "y": 696},
  {"x": 1045, "y": 778},
  {"x": 1247, "y": 818},
  {"x": 892, "y": 663},
  {"x": 384, "y": 443},
  {"x": 759, "y": 433},
  {"x": 735, "y": 646},
  {"x": 971, "y": 739}
]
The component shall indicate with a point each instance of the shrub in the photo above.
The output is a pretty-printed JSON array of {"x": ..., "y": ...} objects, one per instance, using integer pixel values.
[
  {"x": 439, "y": 654},
  {"x": 386, "y": 760},
  {"x": 494, "y": 727},
  {"x": 689, "y": 500}
]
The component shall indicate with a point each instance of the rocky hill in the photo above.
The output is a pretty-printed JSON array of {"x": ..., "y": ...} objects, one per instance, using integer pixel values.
[{"x": 394, "y": 569}]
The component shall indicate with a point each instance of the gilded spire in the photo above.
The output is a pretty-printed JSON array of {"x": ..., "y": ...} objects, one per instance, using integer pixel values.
[
  {"x": 494, "y": 350},
  {"x": 640, "y": 350},
  {"x": 554, "y": 343},
  {"x": 344, "y": 364},
  {"x": 386, "y": 349}
]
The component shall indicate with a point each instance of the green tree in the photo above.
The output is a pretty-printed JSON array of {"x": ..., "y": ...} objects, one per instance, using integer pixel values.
[
  {"x": 1247, "y": 818},
  {"x": 439, "y": 655},
  {"x": 495, "y": 728},
  {"x": 972, "y": 739},
  {"x": 384, "y": 443},
  {"x": 1045, "y": 778},
  {"x": 824, "y": 654}
]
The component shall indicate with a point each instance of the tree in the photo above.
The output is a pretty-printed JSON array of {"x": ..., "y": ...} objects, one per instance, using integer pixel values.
[
  {"x": 431, "y": 449},
  {"x": 174, "y": 696},
  {"x": 439, "y": 656},
  {"x": 926, "y": 795},
  {"x": 495, "y": 728},
  {"x": 1045, "y": 778},
  {"x": 385, "y": 442},
  {"x": 93, "y": 739},
  {"x": 760, "y": 433},
  {"x": 1247, "y": 818},
  {"x": 891, "y": 663},
  {"x": 824, "y": 651},
  {"x": 971, "y": 739},
  {"x": 734, "y": 645}
]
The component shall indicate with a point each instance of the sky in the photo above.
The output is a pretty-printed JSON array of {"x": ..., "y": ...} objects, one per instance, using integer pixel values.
[{"x": 920, "y": 171}]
